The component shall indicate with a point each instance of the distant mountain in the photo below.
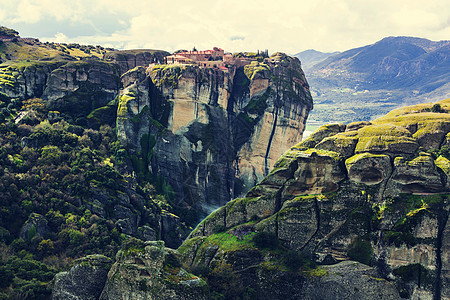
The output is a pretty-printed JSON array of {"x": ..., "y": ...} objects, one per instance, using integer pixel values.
[
  {"x": 311, "y": 57},
  {"x": 365, "y": 82}
]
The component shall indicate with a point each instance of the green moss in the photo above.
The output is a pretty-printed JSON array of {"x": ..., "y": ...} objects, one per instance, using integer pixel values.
[
  {"x": 316, "y": 272},
  {"x": 229, "y": 242},
  {"x": 444, "y": 164},
  {"x": 421, "y": 118},
  {"x": 323, "y": 132},
  {"x": 341, "y": 140},
  {"x": 169, "y": 75},
  {"x": 332, "y": 154},
  {"x": 384, "y": 143},
  {"x": 239, "y": 205},
  {"x": 430, "y": 127},
  {"x": 350, "y": 161},
  {"x": 383, "y": 130},
  {"x": 254, "y": 68},
  {"x": 122, "y": 109}
]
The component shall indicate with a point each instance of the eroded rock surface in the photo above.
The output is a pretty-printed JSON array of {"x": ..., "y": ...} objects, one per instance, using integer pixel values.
[
  {"x": 84, "y": 281},
  {"x": 218, "y": 132},
  {"x": 151, "y": 271},
  {"x": 372, "y": 192}
]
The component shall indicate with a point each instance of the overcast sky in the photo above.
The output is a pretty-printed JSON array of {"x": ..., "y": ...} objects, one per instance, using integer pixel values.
[{"x": 235, "y": 25}]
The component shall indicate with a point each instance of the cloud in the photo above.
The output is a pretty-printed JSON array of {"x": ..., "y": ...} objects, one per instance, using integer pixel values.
[
  {"x": 289, "y": 26},
  {"x": 59, "y": 38}
]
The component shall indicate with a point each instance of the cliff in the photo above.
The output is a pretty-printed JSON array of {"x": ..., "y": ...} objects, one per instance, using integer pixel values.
[
  {"x": 372, "y": 192},
  {"x": 141, "y": 271},
  {"x": 217, "y": 132},
  {"x": 129, "y": 59},
  {"x": 357, "y": 211}
]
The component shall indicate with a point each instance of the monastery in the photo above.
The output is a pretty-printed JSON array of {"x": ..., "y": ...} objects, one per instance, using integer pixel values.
[{"x": 208, "y": 58}]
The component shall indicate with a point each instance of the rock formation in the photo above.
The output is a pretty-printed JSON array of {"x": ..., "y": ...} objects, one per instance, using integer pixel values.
[
  {"x": 85, "y": 280},
  {"x": 130, "y": 59},
  {"x": 217, "y": 132},
  {"x": 151, "y": 271},
  {"x": 202, "y": 135},
  {"x": 372, "y": 192},
  {"x": 368, "y": 220}
]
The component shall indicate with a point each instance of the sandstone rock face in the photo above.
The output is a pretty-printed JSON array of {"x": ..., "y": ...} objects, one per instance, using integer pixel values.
[
  {"x": 151, "y": 272},
  {"x": 379, "y": 199},
  {"x": 84, "y": 281},
  {"x": 217, "y": 132}
]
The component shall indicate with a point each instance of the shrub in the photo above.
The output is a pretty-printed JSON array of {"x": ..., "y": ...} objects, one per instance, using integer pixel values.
[
  {"x": 294, "y": 260},
  {"x": 360, "y": 250},
  {"x": 201, "y": 270},
  {"x": 437, "y": 108},
  {"x": 265, "y": 240}
]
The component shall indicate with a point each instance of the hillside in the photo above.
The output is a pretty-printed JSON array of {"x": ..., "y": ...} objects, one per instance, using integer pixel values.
[
  {"x": 363, "y": 83},
  {"x": 311, "y": 57}
]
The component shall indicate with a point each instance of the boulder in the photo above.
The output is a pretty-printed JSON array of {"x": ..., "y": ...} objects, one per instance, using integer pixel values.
[
  {"x": 84, "y": 281},
  {"x": 35, "y": 225},
  {"x": 350, "y": 280},
  {"x": 151, "y": 271}
]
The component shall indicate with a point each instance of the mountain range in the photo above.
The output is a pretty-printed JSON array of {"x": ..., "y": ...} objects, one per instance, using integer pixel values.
[{"x": 363, "y": 83}]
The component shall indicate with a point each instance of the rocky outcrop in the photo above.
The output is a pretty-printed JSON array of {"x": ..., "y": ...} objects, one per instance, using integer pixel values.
[
  {"x": 151, "y": 271},
  {"x": 26, "y": 80},
  {"x": 73, "y": 88},
  {"x": 350, "y": 280},
  {"x": 217, "y": 132},
  {"x": 35, "y": 225},
  {"x": 130, "y": 59},
  {"x": 367, "y": 192},
  {"x": 84, "y": 281},
  {"x": 142, "y": 270},
  {"x": 82, "y": 86}
]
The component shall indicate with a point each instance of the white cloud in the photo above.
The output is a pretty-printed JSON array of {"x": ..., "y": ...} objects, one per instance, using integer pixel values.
[
  {"x": 284, "y": 25},
  {"x": 59, "y": 38}
]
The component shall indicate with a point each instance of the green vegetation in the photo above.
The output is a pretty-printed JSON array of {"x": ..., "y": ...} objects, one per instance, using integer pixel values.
[
  {"x": 72, "y": 176},
  {"x": 254, "y": 68},
  {"x": 336, "y": 156},
  {"x": 4, "y": 31},
  {"x": 360, "y": 250},
  {"x": 168, "y": 75}
]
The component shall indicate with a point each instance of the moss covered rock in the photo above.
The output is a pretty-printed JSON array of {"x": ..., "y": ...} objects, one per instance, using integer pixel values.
[
  {"x": 85, "y": 279},
  {"x": 151, "y": 271},
  {"x": 368, "y": 168}
]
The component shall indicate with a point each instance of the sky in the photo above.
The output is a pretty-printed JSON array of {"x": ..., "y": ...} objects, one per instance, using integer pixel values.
[{"x": 234, "y": 25}]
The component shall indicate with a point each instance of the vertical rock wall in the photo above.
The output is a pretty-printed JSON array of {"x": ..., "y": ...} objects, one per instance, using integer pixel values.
[{"x": 218, "y": 131}]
